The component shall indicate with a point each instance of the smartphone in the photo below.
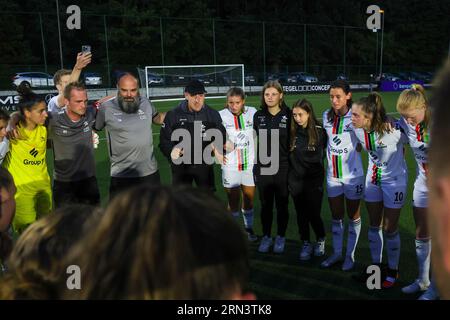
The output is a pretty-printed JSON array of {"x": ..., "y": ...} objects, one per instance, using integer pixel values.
[{"x": 86, "y": 49}]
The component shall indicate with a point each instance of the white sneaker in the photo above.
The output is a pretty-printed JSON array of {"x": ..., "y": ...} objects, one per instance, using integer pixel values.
[
  {"x": 348, "y": 264},
  {"x": 430, "y": 294},
  {"x": 265, "y": 244},
  {"x": 278, "y": 247},
  {"x": 331, "y": 260},
  {"x": 306, "y": 252},
  {"x": 415, "y": 287},
  {"x": 319, "y": 248}
]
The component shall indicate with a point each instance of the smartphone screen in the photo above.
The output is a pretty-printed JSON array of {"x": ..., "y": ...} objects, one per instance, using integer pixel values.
[{"x": 85, "y": 48}]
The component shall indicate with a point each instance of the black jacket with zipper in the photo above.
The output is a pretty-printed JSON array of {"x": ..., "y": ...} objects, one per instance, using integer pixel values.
[
  {"x": 182, "y": 118},
  {"x": 305, "y": 159},
  {"x": 306, "y": 162}
]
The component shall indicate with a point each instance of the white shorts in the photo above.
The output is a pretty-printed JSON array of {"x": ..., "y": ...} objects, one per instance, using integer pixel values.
[
  {"x": 392, "y": 194},
  {"x": 420, "y": 193},
  {"x": 353, "y": 189},
  {"x": 234, "y": 179}
]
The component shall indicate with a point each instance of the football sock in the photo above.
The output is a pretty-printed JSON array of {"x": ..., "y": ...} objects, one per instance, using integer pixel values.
[{"x": 376, "y": 244}]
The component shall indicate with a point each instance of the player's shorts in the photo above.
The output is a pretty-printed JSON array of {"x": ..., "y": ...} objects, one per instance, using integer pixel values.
[
  {"x": 392, "y": 194},
  {"x": 353, "y": 189},
  {"x": 234, "y": 179},
  {"x": 420, "y": 193},
  {"x": 30, "y": 207}
]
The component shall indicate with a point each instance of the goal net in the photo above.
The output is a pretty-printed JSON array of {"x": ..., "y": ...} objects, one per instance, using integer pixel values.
[{"x": 168, "y": 82}]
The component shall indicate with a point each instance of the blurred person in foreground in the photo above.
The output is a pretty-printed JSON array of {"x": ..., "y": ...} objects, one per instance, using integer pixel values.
[
  {"x": 35, "y": 265},
  {"x": 7, "y": 211},
  {"x": 163, "y": 243},
  {"x": 439, "y": 182}
]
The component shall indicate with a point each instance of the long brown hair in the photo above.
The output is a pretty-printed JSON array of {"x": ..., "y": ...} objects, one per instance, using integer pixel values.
[
  {"x": 272, "y": 84},
  {"x": 373, "y": 105},
  {"x": 36, "y": 265},
  {"x": 311, "y": 127},
  {"x": 235, "y": 92},
  {"x": 344, "y": 85},
  {"x": 162, "y": 243}
]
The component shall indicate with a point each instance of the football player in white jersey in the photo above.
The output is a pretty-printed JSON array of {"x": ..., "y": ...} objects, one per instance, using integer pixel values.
[
  {"x": 386, "y": 179},
  {"x": 237, "y": 164},
  {"x": 412, "y": 104},
  {"x": 345, "y": 176}
]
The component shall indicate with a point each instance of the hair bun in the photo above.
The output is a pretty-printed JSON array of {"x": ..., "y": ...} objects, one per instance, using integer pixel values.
[
  {"x": 25, "y": 92},
  {"x": 24, "y": 89}
]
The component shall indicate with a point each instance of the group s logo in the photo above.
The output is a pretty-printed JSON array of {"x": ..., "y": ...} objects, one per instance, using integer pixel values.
[{"x": 337, "y": 141}]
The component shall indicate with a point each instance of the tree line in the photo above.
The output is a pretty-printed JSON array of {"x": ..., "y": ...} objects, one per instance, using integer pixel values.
[{"x": 416, "y": 32}]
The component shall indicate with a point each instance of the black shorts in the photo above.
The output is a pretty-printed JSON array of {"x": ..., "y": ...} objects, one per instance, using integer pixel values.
[{"x": 82, "y": 191}]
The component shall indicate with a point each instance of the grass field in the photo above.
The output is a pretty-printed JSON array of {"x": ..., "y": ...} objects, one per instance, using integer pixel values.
[{"x": 285, "y": 276}]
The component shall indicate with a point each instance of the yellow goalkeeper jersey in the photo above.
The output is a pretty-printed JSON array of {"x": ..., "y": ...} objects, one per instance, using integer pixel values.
[{"x": 26, "y": 159}]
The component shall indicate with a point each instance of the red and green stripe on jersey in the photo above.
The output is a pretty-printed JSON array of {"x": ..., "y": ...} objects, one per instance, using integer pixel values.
[
  {"x": 242, "y": 154},
  {"x": 337, "y": 166},
  {"x": 239, "y": 123},
  {"x": 376, "y": 175},
  {"x": 338, "y": 125},
  {"x": 422, "y": 133},
  {"x": 369, "y": 139},
  {"x": 242, "y": 158}
]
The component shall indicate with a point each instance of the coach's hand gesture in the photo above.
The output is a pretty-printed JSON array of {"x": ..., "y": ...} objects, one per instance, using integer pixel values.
[{"x": 176, "y": 153}]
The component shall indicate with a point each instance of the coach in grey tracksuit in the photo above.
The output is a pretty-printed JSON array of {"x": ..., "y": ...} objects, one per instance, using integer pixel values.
[
  {"x": 70, "y": 131},
  {"x": 128, "y": 119}
]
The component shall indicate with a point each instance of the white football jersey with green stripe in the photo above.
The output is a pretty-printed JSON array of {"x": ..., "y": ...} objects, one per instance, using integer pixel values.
[
  {"x": 386, "y": 154},
  {"x": 240, "y": 133},
  {"x": 344, "y": 162},
  {"x": 419, "y": 139}
]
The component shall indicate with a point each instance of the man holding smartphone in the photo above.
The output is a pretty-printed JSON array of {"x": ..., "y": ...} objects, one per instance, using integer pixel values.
[
  {"x": 63, "y": 76},
  {"x": 86, "y": 49}
]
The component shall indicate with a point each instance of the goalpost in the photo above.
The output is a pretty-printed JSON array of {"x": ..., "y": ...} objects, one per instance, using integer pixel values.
[{"x": 167, "y": 83}]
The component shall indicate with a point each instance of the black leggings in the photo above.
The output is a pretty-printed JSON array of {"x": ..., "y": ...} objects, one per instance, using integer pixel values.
[
  {"x": 270, "y": 188},
  {"x": 308, "y": 205}
]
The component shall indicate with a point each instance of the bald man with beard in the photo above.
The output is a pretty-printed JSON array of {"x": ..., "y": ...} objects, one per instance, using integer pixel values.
[{"x": 128, "y": 119}]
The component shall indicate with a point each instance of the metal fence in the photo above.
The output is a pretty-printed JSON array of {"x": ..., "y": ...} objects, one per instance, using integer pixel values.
[{"x": 128, "y": 42}]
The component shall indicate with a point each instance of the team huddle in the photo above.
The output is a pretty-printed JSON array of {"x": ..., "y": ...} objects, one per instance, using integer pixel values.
[
  {"x": 348, "y": 127},
  {"x": 294, "y": 138}
]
